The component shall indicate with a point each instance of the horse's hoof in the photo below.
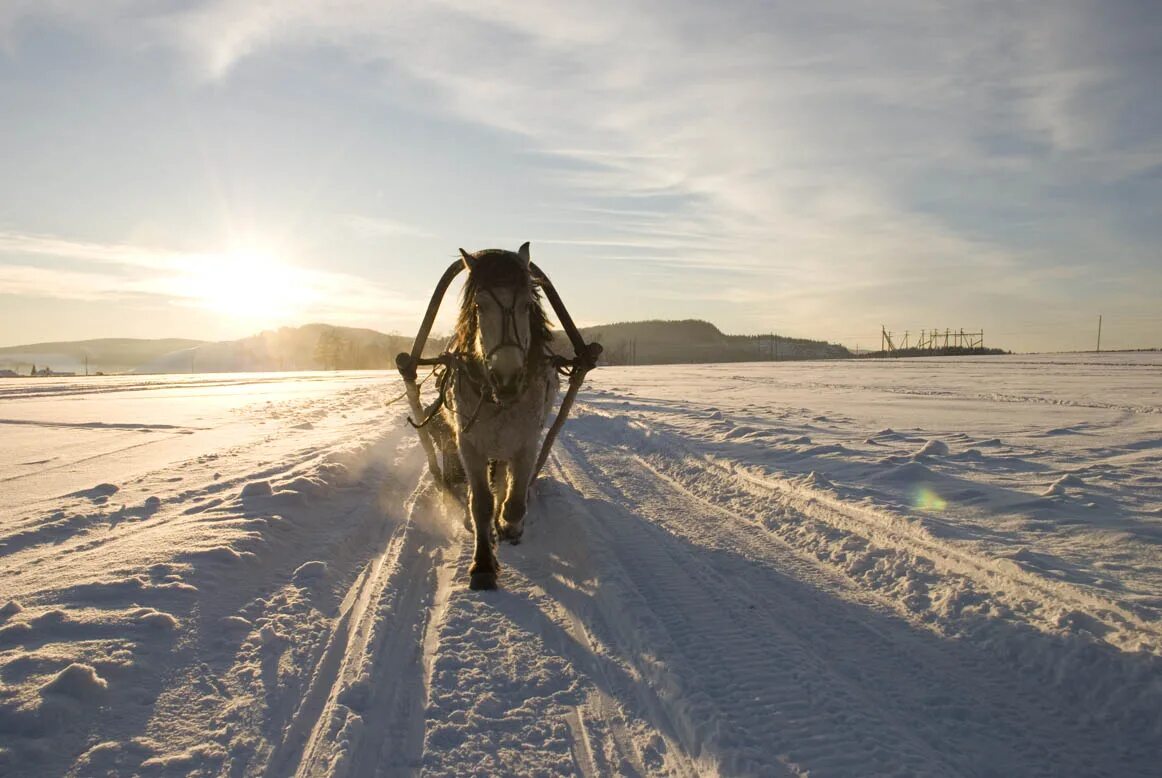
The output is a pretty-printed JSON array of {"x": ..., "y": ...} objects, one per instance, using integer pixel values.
[
  {"x": 509, "y": 532},
  {"x": 482, "y": 581}
]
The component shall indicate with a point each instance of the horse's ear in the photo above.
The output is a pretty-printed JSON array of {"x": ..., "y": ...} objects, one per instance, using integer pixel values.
[
  {"x": 467, "y": 259},
  {"x": 523, "y": 253}
]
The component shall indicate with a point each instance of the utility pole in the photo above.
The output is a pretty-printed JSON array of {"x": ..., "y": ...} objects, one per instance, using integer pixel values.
[
  {"x": 887, "y": 341},
  {"x": 1099, "y": 333}
]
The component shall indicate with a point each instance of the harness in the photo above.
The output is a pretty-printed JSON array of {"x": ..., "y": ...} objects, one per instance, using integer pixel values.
[
  {"x": 456, "y": 366},
  {"x": 459, "y": 366}
]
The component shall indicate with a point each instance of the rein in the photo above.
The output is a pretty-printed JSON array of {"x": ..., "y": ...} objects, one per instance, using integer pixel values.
[{"x": 454, "y": 366}]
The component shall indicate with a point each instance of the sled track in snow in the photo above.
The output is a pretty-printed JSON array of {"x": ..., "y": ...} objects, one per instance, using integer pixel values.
[
  {"x": 363, "y": 711},
  {"x": 680, "y": 638},
  {"x": 748, "y": 645}
]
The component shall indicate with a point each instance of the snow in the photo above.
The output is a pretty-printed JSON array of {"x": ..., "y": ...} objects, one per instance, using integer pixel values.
[
  {"x": 926, "y": 567},
  {"x": 76, "y": 680}
]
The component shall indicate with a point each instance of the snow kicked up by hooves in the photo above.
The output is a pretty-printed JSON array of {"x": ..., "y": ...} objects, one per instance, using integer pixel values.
[{"x": 915, "y": 567}]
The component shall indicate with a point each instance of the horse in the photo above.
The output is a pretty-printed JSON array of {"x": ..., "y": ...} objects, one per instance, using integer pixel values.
[{"x": 497, "y": 398}]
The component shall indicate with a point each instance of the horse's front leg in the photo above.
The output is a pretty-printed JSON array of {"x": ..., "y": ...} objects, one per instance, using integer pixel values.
[
  {"x": 498, "y": 476},
  {"x": 484, "y": 570},
  {"x": 510, "y": 526}
]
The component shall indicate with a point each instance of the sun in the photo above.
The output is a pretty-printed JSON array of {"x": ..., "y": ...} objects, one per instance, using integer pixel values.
[{"x": 249, "y": 284}]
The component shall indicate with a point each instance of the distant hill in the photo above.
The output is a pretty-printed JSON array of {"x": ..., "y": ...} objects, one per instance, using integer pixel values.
[
  {"x": 108, "y": 355},
  {"x": 325, "y": 347},
  {"x": 659, "y": 342},
  {"x": 310, "y": 347}
]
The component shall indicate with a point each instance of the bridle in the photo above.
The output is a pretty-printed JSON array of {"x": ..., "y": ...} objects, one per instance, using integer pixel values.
[
  {"x": 462, "y": 366},
  {"x": 508, "y": 317},
  {"x": 477, "y": 372}
]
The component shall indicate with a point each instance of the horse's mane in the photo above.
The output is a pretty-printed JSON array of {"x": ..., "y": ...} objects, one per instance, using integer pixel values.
[{"x": 500, "y": 268}]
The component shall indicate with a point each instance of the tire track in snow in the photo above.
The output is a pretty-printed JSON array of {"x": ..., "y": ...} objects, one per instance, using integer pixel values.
[
  {"x": 1015, "y": 617},
  {"x": 743, "y": 690},
  {"x": 880, "y": 694},
  {"x": 894, "y": 532},
  {"x": 1122, "y": 624}
]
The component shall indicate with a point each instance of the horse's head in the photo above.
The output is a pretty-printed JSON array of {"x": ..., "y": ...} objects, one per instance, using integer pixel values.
[{"x": 501, "y": 317}]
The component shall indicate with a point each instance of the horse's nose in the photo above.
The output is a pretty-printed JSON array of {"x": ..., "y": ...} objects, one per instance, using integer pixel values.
[{"x": 507, "y": 367}]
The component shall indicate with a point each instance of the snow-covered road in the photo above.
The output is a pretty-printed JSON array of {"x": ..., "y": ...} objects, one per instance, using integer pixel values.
[{"x": 923, "y": 567}]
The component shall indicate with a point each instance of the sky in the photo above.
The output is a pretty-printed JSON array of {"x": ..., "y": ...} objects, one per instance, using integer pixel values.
[{"x": 210, "y": 169}]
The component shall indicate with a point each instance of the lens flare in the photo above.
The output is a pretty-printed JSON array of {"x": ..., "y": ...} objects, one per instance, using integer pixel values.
[
  {"x": 925, "y": 499},
  {"x": 247, "y": 284}
]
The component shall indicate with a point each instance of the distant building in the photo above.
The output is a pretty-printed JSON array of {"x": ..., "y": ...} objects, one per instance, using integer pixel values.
[{"x": 9, "y": 374}]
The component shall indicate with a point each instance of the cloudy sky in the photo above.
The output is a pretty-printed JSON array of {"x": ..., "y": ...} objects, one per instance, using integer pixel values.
[{"x": 208, "y": 169}]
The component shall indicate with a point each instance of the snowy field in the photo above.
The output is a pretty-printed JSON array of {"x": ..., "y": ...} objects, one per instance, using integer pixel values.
[{"x": 933, "y": 567}]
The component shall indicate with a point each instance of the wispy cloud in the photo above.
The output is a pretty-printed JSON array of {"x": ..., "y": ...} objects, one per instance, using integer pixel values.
[
  {"x": 56, "y": 283},
  {"x": 230, "y": 283},
  {"x": 378, "y": 227},
  {"x": 901, "y": 146},
  {"x": 14, "y": 244}
]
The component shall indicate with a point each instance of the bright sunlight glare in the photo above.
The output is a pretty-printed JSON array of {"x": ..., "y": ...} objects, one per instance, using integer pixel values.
[{"x": 247, "y": 284}]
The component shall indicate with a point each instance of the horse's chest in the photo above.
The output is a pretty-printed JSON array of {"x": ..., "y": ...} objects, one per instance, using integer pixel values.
[
  {"x": 498, "y": 432},
  {"x": 501, "y": 433}
]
